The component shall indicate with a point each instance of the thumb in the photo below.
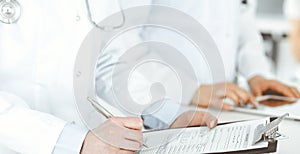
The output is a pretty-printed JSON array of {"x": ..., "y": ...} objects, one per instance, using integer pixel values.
[
  {"x": 210, "y": 120},
  {"x": 201, "y": 118},
  {"x": 253, "y": 101},
  {"x": 227, "y": 107},
  {"x": 220, "y": 104},
  {"x": 256, "y": 91},
  {"x": 224, "y": 106}
]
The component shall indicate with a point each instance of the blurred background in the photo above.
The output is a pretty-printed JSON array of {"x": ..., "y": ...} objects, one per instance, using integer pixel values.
[{"x": 278, "y": 22}]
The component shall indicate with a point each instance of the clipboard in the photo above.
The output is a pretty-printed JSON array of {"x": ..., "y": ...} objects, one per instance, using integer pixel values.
[
  {"x": 272, "y": 146},
  {"x": 268, "y": 133}
]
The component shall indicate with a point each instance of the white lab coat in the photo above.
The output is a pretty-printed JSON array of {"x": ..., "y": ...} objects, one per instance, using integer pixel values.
[
  {"x": 291, "y": 9},
  {"x": 232, "y": 28},
  {"x": 37, "y": 57},
  {"x": 233, "y": 31}
]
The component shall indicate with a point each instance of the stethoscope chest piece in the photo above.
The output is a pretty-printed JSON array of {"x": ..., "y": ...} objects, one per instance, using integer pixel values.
[{"x": 10, "y": 11}]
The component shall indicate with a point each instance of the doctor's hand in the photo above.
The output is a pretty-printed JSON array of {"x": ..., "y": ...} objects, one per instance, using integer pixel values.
[
  {"x": 259, "y": 85},
  {"x": 116, "y": 135},
  {"x": 213, "y": 95},
  {"x": 195, "y": 118}
]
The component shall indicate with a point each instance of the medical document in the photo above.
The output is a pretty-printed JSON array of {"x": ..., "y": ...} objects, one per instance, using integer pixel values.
[{"x": 229, "y": 137}]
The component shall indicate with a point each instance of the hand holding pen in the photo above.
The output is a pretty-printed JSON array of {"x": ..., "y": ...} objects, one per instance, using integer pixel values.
[{"x": 131, "y": 127}]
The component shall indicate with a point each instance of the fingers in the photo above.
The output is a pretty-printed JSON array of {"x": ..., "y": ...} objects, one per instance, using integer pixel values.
[
  {"x": 244, "y": 96},
  {"x": 233, "y": 96},
  {"x": 259, "y": 85},
  {"x": 220, "y": 104},
  {"x": 225, "y": 106},
  {"x": 281, "y": 88},
  {"x": 210, "y": 120},
  {"x": 239, "y": 95},
  {"x": 130, "y": 145},
  {"x": 256, "y": 85},
  {"x": 134, "y": 135},
  {"x": 296, "y": 92},
  {"x": 127, "y": 139},
  {"x": 92, "y": 144},
  {"x": 120, "y": 132},
  {"x": 202, "y": 118},
  {"x": 129, "y": 122},
  {"x": 257, "y": 91}
]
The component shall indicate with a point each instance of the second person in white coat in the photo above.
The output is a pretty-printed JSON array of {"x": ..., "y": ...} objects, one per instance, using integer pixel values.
[{"x": 240, "y": 45}]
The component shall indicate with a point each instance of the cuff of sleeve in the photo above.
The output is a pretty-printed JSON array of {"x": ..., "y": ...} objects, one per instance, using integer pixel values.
[
  {"x": 266, "y": 75},
  {"x": 70, "y": 140},
  {"x": 162, "y": 114}
]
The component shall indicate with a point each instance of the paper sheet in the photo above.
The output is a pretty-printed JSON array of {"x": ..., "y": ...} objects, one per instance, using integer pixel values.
[{"x": 223, "y": 138}]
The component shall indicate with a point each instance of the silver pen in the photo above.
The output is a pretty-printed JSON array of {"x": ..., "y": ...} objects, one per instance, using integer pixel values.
[
  {"x": 103, "y": 111},
  {"x": 100, "y": 108}
]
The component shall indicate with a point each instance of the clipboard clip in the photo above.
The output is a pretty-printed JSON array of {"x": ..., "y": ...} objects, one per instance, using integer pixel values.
[{"x": 269, "y": 132}]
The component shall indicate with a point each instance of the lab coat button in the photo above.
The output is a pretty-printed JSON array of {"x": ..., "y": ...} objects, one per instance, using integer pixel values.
[
  {"x": 77, "y": 18},
  {"x": 73, "y": 122}
]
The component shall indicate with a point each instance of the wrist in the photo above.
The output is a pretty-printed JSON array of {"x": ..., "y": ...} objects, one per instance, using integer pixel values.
[
  {"x": 255, "y": 79},
  {"x": 181, "y": 121},
  {"x": 84, "y": 143},
  {"x": 196, "y": 97}
]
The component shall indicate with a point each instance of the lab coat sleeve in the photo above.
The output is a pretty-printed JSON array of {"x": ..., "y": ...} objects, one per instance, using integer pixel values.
[
  {"x": 251, "y": 56},
  {"x": 162, "y": 117},
  {"x": 27, "y": 131},
  {"x": 70, "y": 140},
  {"x": 292, "y": 9}
]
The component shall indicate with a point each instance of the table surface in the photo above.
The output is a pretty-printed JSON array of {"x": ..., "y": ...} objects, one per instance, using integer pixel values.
[{"x": 289, "y": 128}]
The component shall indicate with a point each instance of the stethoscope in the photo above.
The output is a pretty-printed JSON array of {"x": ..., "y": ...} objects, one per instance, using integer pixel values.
[
  {"x": 10, "y": 11},
  {"x": 106, "y": 27}
]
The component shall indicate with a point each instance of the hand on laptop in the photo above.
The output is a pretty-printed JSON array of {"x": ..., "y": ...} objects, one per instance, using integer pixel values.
[
  {"x": 213, "y": 95},
  {"x": 259, "y": 85}
]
